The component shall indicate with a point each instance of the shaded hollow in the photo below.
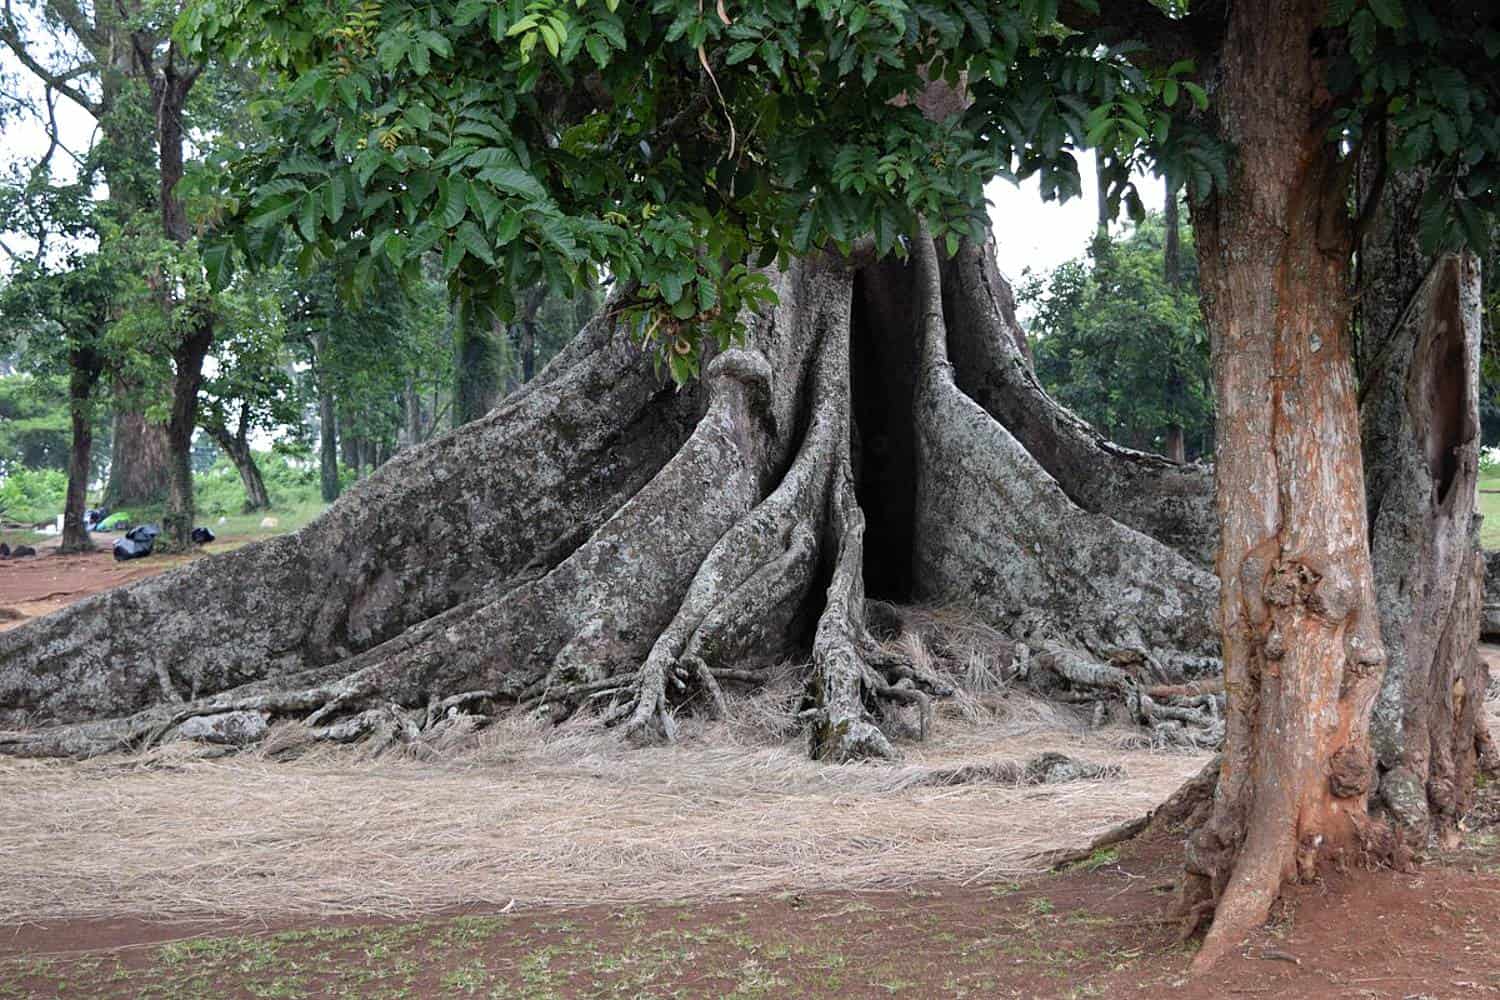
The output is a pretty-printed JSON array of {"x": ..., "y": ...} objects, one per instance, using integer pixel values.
[{"x": 883, "y": 373}]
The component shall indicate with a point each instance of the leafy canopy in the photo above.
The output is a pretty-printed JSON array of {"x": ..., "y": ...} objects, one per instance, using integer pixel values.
[
  {"x": 673, "y": 144},
  {"x": 1119, "y": 345}
]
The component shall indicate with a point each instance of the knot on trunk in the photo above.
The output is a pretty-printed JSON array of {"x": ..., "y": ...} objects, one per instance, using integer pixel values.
[
  {"x": 1349, "y": 772},
  {"x": 1293, "y": 583}
]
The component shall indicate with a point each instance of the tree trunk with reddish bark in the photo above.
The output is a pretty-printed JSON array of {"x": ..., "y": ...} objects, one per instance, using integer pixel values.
[
  {"x": 1302, "y": 650},
  {"x": 137, "y": 459}
]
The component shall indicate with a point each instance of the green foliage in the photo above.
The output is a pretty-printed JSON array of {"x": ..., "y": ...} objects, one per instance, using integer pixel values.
[
  {"x": 34, "y": 426},
  {"x": 32, "y": 496},
  {"x": 371, "y": 348},
  {"x": 668, "y": 143},
  {"x": 251, "y": 387},
  {"x": 290, "y": 478},
  {"x": 1418, "y": 78},
  {"x": 1122, "y": 348}
]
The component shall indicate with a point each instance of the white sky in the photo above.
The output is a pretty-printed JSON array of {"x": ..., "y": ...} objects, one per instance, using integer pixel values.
[{"x": 1041, "y": 235}]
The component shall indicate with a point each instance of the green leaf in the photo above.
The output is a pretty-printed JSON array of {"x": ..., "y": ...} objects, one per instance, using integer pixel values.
[
  {"x": 1390, "y": 12},
  {"x": 334, "y": 205},
  {"x": 216, "y": 264},
  {"x": 307, "y": 219},
  {"x": 550, "y": 39},
  {"x": 475, "y": 243},
  {"x": 510, "y": 228},
  {"x": 598, "y": 49},
  {"x": 514, "y": 180},
  {"x": 453, "y": 203}
]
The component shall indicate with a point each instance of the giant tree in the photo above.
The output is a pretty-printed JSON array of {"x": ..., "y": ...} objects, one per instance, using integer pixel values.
[
  {"x": 789, "y": 199},
  {"x": 83, "y": 55}
]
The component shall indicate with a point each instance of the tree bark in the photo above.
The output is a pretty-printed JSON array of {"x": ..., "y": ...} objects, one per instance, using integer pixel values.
[
  {"x": 1420, "y": 323},
  {"x": 1171, "y": 252},
  {"x": 138, "y": 458},
  {"x": 170, "y": 89},
  {"x": 602, "y": 541},
  {"x": 1301, "y": 647},
  {"x": 237, "y": 447},
  {"x": 1170, "y": 502},
  {"x": 328, "y": 436},
  {"x": 177, "y": 521},
  {"x": 84, "y": 370},
  {"x": 475, "y": 372}
]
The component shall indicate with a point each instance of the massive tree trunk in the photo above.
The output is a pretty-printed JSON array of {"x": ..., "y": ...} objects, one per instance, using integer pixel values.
[
  {"x": 1419, "y": 351},
  {"x": 1302, "y": 650},
  {"x": 137, "y": 458},
  {"x": 604, "y": 541}
]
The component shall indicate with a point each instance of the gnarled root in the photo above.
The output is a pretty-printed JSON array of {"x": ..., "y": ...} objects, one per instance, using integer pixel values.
[{"x": 667, "y": 548}]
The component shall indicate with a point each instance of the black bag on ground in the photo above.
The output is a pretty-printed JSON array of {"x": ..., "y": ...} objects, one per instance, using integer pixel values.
[
  {"x": 137, "y": 543},
  {"x": 202, "y": 536}
]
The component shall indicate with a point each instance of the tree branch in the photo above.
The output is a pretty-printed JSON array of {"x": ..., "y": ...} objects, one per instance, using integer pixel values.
[
  {"x": 10, "y": 34},
  {"x": 1194, "y": 36}
]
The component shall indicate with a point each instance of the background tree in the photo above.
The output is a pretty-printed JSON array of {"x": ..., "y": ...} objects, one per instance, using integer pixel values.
[
  {"x": 1123, "y": 348},
  {"x": 251, "y": 389}
]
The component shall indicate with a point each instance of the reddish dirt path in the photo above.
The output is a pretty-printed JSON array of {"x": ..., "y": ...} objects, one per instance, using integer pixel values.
[
  {"x": 47, "y": 582},
  {"x": 1099, "y": 932}
]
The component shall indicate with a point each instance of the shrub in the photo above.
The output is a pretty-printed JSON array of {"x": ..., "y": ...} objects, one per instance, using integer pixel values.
[{"x": 32, "y": 496}]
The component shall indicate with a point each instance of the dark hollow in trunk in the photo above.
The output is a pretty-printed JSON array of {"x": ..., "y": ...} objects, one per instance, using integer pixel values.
[
  {"x": 602, "y": 541},
  {"x": 883, "y": 376},
  {"x": 1419, "y": 354}
]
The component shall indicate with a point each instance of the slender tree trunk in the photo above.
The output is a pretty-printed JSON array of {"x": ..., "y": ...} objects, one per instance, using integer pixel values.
[
  {"x": 170, "y": 90},
  {"x": 414, "y": 422},
  {"x": 328, "y": 434},
  {"x": 177, "y": 522},
  {"x": 349, "y": 452},
  {"x": 84, "y": 375},
  {"x": 1171, "y": 254},
  {"x": 475, "y": 373},
  {"x": 138, "y": 458},
  {"x": 1420, "y": 323},
  {"x": 1302, "y": 651},
  {"x": 530, "y": 306},
  {"x": 1176, "y": 445},
  {"x": 238, "y": 449}
]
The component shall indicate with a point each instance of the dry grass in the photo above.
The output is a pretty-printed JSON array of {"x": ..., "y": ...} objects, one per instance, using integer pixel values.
[{"x": 535, "y": 815}]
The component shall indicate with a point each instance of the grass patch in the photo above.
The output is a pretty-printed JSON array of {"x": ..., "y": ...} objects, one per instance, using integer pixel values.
[{"x": 1489, "y": 506}]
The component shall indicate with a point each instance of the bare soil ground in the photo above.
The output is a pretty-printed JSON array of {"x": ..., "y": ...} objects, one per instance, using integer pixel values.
[
  {"x": 1096, "y": 931},
  {"x": 536, "y": 863},
  {"x": 46, "y": 582}
]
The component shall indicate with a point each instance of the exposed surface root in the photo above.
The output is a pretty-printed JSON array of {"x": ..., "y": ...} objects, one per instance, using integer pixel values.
[{"x": 673, "y": 575}]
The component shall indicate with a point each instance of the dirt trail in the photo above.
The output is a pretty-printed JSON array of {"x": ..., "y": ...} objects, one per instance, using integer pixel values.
[
  {"x": 46, "y": 582},
  {"x": 1097, "y": 931}
]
